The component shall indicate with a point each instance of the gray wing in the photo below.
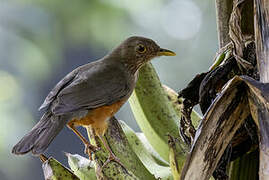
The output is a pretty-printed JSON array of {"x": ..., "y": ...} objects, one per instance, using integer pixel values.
[
  {"x": 59, "y": 86},
  {"x": 94, "y": 87}
]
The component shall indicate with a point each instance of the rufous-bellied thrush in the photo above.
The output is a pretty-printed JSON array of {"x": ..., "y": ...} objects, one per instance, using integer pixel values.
[{"x": 90, "y": 95}]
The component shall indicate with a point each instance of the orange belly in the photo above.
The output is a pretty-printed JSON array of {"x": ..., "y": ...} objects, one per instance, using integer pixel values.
[{"x": 97, "y": 118}]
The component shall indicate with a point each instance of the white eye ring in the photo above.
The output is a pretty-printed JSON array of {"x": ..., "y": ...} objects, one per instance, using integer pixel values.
[{"x": 141, "y": 48}]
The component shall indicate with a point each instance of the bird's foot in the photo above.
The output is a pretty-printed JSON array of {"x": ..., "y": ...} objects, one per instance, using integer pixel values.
[
  {"x": 90, "y": 149},
  {"x": 114, "y": 158}
]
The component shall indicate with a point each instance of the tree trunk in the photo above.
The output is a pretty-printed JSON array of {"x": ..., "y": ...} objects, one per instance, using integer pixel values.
[
  {"x": 262, "y": 51},
  {"x": 239, "y": 170},
  {"x": 223, "y": 12}
]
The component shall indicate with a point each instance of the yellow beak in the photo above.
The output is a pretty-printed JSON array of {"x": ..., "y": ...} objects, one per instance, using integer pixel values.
[{"x": 166, "y": 52}]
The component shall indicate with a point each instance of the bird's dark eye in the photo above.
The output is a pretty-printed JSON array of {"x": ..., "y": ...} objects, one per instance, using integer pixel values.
[{"x": 140, "y": 48}]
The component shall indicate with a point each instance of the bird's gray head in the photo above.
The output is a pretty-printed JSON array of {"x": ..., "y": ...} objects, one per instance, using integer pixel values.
[{"x": 136, "y": 51}]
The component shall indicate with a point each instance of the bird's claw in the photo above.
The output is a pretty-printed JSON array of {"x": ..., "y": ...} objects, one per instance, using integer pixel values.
[
  {"x": 89, "y": 149},
  {"x": 114, "y": 158}
]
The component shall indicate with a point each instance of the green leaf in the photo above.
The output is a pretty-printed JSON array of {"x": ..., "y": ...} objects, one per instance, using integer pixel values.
[
  {"x": 147, "y": 155},
  {"x": 176, "y": 156},
  {"x": 157, "y": 110},
  {"x": 54, "y": 170},
  {"x": 153, "y": 111},
  {"x": 81, "y": 166},
  {"x": 116, "y": 139}
]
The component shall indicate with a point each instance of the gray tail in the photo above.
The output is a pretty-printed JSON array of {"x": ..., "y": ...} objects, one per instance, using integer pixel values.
[{"x": 41, "y": 135}]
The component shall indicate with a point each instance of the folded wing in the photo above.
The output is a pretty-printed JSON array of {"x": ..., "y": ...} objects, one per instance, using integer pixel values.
[{"x": 92, "y": 87}]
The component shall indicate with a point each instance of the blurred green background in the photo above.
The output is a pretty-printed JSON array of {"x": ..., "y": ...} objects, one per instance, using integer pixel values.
[{"x": 42, "y": 40}]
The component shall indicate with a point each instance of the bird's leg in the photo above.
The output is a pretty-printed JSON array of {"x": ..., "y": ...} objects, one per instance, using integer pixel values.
[
  {"x": 89, "y": 148},
  {"x": 112, "y": 156}
]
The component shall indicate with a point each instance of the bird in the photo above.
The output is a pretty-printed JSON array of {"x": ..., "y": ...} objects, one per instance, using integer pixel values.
[{"x": 90, "y": 95}]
